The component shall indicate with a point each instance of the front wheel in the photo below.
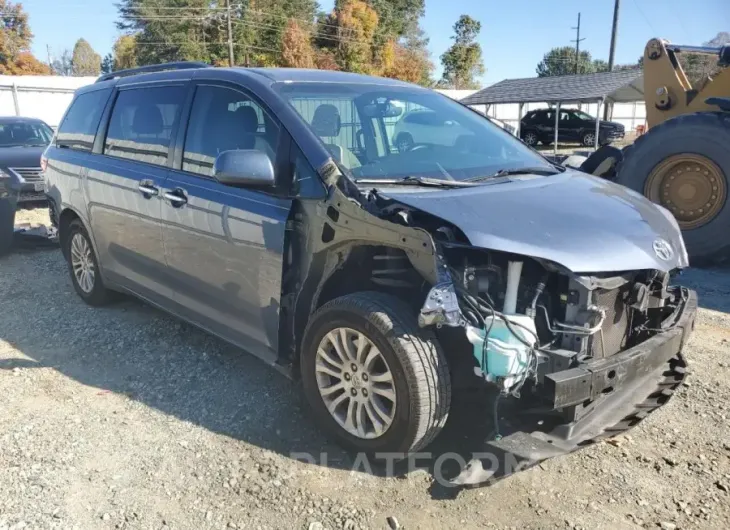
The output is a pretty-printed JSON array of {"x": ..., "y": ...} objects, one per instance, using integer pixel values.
[{"x": 374, "y": 380}]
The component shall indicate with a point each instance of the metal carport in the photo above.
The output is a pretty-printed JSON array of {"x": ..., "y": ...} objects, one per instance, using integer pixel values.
[{"x": 624, "y": 86}]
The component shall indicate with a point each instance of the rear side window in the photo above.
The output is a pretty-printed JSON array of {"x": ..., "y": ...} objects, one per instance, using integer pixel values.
[
  {"x": 78, "y": 129},
  {"x": 143, "y": 122}
]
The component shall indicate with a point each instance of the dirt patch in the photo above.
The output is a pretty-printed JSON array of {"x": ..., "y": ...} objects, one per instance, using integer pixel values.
[{"x": 124, "y": 417}]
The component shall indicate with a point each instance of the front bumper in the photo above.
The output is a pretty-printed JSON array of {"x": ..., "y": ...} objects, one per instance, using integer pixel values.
[{"x": 624, "y": 389}]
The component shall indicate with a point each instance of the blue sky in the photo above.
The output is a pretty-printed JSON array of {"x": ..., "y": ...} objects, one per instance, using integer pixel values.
[{"x": 515, "y": 33}]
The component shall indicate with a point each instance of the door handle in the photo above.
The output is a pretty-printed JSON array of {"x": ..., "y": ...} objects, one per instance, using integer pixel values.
[
  {"x": 148, "y": 189},
  {"x": 177, "y": 197}
]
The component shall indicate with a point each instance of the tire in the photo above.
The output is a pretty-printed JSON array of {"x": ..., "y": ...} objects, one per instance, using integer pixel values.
[
  {"x": 404, "y": 142},
  {"x": 419, "y": 370},
  {"x": 530, "y": 138},
  {"x": 7, "y": 225},
  {"x": 706, "y": 134},
  {"x": 97, "y": 294},
  {"x": 588, "y": 139}
]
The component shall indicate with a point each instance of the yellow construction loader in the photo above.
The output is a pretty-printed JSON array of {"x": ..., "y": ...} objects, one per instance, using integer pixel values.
[{"x": 683, "y": 161}]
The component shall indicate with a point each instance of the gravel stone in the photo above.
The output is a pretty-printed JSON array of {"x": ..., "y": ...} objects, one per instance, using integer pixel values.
[{"x": 125, "y": 417}]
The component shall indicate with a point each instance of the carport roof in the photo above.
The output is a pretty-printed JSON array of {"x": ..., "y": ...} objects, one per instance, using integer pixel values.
[{"x": 619, "y": 86}]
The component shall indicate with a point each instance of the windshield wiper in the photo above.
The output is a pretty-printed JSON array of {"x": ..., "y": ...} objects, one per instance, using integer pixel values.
[
  {"x": 413, "y": 180},
  {"x": 537, "y": 170}
]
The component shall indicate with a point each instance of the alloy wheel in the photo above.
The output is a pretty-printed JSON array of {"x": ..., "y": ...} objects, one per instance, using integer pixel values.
[
  {"x": 82, "y": 263},
  {"x": 356, "y": 383}
]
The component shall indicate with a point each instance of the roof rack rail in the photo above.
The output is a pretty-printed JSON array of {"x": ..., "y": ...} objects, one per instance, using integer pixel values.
[{"x": 180, "y": 65}]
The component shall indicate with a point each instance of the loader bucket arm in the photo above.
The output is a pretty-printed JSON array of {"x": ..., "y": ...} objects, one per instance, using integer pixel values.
[{"x": 667, "y": 90}]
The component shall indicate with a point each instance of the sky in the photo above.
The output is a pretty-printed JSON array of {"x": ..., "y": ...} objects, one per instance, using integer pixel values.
[{"x": 514, "y": 37}]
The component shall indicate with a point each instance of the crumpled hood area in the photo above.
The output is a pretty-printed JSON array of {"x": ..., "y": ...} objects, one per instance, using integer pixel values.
[{"x": 584, "y": 223}]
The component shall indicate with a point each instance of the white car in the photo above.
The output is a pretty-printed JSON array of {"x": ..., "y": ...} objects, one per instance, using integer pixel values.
[{"x": 426, "y": 127}]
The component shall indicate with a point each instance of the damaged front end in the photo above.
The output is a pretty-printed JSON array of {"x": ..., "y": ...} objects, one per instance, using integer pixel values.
[{"x": 574, "y": 358}]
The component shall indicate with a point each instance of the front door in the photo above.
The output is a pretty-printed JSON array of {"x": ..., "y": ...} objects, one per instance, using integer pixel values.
[
  {"x": 124, "y": 186},
  {"x": 224, "y": 245}
]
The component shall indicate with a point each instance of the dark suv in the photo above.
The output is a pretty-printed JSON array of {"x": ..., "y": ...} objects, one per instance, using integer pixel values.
[
  {"x": 272, "y": 208},
  {"x": 22, "y": 141},
  {"x": 573, "y": 126}
]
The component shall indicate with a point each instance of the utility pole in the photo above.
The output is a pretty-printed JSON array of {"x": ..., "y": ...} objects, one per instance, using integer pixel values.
[
  {"x": 614, "y": 31},
  {"x": 577, "y": 45},
  {"x": 48, "y": 51},
  {"x": 231, "y": 60},
  {"x": 612, "y": 52}
]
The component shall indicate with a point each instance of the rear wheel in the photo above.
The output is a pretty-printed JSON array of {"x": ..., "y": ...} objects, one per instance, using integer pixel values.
[
  {"x": 375, "y": 381},
  {"x": 684, "y": 165},
  {"x": 588, "y": 139},
  {"x": 84, "y": 267},
  {"x": 530, "y": 138}
]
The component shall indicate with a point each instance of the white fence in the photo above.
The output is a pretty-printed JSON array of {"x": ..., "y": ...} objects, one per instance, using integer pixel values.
[{"x": 38, "y": 96}]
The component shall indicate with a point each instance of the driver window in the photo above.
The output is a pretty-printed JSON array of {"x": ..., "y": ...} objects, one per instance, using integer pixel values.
[{"x": 337, "y": 123}]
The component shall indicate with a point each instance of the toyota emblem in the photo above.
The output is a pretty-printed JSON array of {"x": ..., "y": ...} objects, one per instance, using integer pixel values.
[{"x": 663, "y": 250}]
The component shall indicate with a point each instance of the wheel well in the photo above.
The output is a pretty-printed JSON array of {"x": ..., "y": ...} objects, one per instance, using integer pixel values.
[
  {"x": 65, "y": 219},
  {"x": 375, "y": 268}
]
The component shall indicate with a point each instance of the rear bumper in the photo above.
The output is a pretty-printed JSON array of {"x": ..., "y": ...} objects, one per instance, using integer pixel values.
[{"x": 625, "y": 389}]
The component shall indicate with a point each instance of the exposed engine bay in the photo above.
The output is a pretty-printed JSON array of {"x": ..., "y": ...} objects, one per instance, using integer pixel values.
[{"x": 527, "y": 318}]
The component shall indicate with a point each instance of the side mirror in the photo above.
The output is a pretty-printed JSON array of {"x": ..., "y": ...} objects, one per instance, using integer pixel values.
[{"x": 244, "y": 167}]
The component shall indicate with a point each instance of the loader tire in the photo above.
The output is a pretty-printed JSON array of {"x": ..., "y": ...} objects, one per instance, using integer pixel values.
[{"x": 684, "y": 165}]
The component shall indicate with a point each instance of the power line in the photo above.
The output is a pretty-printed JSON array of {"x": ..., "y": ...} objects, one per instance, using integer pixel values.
[{"x": 645, "y": 17}]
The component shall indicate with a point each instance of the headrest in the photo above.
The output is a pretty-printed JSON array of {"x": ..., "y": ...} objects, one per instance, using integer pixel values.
[
  {"x": 148, "y": 119},
  {"x": 247, "y": 119},
  {"x": 326, "y": 120}
]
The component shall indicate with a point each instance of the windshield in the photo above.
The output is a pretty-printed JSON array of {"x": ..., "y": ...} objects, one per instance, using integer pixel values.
[
  {"x": 24, "y": 134},
  {"x": 382, "y": 132}
]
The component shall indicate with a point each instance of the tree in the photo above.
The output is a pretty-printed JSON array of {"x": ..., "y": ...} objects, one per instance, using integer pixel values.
[
  {"x": 599, "y": 65},
  {"x": 107, "y": 64},
  {"x": 408, "y": 65},
  {"x": 396, "y": 20},
  {"x": 85, "y": 61},
  {"x": 357, "y": 23},
  {"x": 296, "y": 47},
  {"x": 198, "y": 29},
  {"x": 463, "y": 60},
  {"x": 696, "y": 67},
  {"x": 325, "y": 60},
  {"x": 125, "y": 52},
  {"x": 561, "y": 61},
  {"x": 62, "y": 65},
  {"x": 15, "y": 40}
]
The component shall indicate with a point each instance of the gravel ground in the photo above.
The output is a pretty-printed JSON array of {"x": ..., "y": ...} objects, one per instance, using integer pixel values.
[{"x": 124, "y": 417}]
